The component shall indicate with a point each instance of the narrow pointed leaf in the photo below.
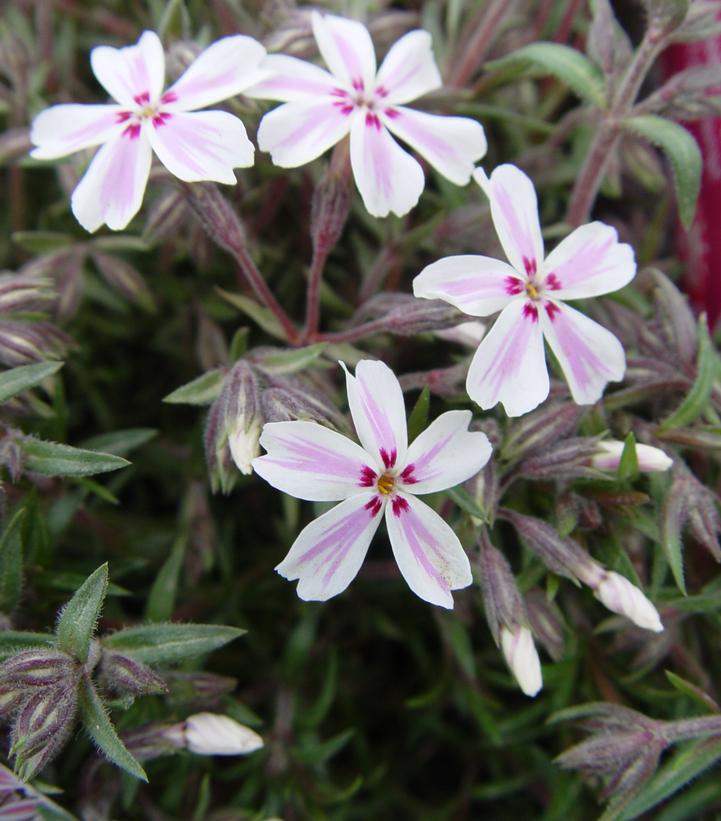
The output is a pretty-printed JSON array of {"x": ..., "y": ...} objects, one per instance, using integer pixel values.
[
  {"x": 54, "y": 459},
  {"x": 262, "y": 316},
  {"x": 567, "y": 64},
  {"x": 20, "y": 379},
  {"x": 671, "y": 538},
  {"x": 292, "y": 361},
  {"x": 80, "y": 615},
  {"x": 201, "y": 391},
  {"x": 101, "y": 730},
  {"x": 418, "y": 420},
  {"x": 628, "y": 464},
  {"x": 683, "y": 153},
  {"x": 166, "y": 643},
  {"x": 120, "y": 442}
]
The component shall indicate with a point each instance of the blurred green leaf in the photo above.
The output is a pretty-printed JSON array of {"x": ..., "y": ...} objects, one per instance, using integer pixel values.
[
  {"x": 201, "y": 391},
  {"x": 11, "y": 563},
  {"x": 692, "y": 691},
  {"x": 291, "y": 361},
  {"x": 54, "y": 459},
  {"x": 260, "y": 315},
  {"x": 628, "y": 464},
  {"x": 683, "y": 153},
  {"x": 42, "y": 242},
  {"x": 120, "y": 442},
  {"x": 161, "y": 599},
  {"x": 418, "y": 419},
  {"x": 79, "y": 617},
  {"x": 20, "y": 379},
  {"x": 567, "y": 64}
]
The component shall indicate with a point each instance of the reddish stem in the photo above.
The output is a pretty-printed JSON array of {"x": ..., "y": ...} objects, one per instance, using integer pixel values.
[{"x": 477, "y": 47}]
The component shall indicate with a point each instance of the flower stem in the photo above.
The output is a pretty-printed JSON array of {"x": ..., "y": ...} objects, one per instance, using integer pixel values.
[
  {"x": 477, "y": 47},
  {"x": 692, "y": 728},
  {"x": 223, "y": 226},
  {"x": 589, "y": 180},
  {"x": 353, "y": 334}
]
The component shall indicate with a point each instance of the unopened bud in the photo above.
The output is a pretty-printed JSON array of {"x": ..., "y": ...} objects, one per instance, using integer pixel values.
[
  {"x": 212, "y": 734},
  {"x": 650, "y": 459},
  {"x": 41, "y": 728},
  {"x": 540, "y": 429},
  {"x": 22, "y": 343},
  {"x": 405, "y": 315},
  {"x": 166, "y": 216},
  {"x": 688, "y": 501},
  {"x": 24, "y": 292},
  {"x": 331, "y": 202},
  {"x": 126, "y": 675},
  {"x": 545, "y": 622},
  {"x": 216, "y": 215},
  {"x": 618, "y": 594},
  {"x": 240, "y": 397},
  {"x": 501, "y": 598},
  {"x": 568, "y": 459},
  {"x": 469, "y": 334},
  {"x": 125, "y": 279},
  {"x": 41, "y": 667},
  {"x": 521, "y": 656}
]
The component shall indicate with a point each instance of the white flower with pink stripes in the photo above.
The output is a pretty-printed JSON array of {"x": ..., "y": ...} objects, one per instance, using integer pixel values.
[
  {"x": 309, "y": 461},
  {"x": 192, "y": 145},
  {"x": 509, "y": 365},
  {"x": 322, "y": 108}
]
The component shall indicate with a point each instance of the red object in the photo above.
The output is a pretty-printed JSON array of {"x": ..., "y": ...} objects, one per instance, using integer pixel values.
[{"x": 700, "y": 246}]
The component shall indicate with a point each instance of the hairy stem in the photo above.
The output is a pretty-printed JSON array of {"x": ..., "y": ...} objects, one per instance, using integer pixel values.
[{"x": 477, "y": 47}]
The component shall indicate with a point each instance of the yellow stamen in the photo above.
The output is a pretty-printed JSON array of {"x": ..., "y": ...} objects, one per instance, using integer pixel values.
[
  {"x": 386, "y": 484},
  {"x": 531, "y": 290}
]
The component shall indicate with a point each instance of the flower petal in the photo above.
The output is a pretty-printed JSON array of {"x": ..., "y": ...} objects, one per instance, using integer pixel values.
[
  {"x": 445, "y": 454},
  {"x": 514, "y": 209},
  {"x": 111, "y": 190},
  {"x": 477, "y": 285},
  {"x": 590, "y": 261},
  {"x": 202, "y": 145},
  {"x": 589, "y": 355},
  {"x": 428, "y": 552},
  {"x": 452, "y": 145},
  {"x": 309, "y": 461},
  {"x": 347, "y": 49},
  {"x": 409, "y": 70},
  {"x": 131, "y": 72},
  {"x": 388, "y": 178},
  {"x": 328, "y": 553},
  {"x": 379, "y": 414},
  {"x": 290, "y": 79},
  {"x": 509, "y": 365},
  {"x": 223, "y": 70},
  {"x": 296, "y": 133},
  {"x": 64, "y": 129}
]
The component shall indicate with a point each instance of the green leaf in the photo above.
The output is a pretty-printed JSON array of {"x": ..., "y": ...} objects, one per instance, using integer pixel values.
[
  {"x": 262, "y": 316},
  {"x": 696, "y": 400},
  {"x": 101, "y": 730},
  {"x": 166, "y": 643},
  {"x": 692, "y": 691},
  {"x": 120, "y": 442},
  {"x": 466, "y": 502},
  {"x": 239, "y": 343},
  {"x": 11, "y": 563},
  {"x": 565, "y": 63},
  {"x": 291, "y": 361},
  {"x": 13, "y": 640},
  {"x": 20, "y": 379},
  {"x": 121, "y": 242},
  {"x": 201, "y": 391},
  {"x": 54, "y": 459},
  {"x": 161, "y": 600},
  {"x": 671, "y": 538},
  {"x": 418, "y": 420},
  {"x": 40, "y": 242},
  {"x": 683, "y": 153},
  {"x": 79, "y": 617},
  {"x": 628, "y": 464},
  {"x": 686, "y": 765}
]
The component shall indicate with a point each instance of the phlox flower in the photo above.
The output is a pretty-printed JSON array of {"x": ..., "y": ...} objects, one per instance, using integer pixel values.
[
  {"x": 321, "y": 108},
  {"x": 509, "y": 365},
  {"x": 382, "y": 475},
  {"x": 192, "y": 145}
]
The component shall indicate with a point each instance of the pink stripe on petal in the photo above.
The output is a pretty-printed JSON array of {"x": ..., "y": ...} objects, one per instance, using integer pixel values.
[
  {"x": 509, "y": 365},
  {"x": 64, "y": 129},
  {"x": 589, "y": 355},
  {"x": 408, "y": 70},
  {"x": 347, "y": 49},
  {"x": 328, "y": 553},
  {"x": 126, "y": 73},
  {"x": 428, "y": 552}
]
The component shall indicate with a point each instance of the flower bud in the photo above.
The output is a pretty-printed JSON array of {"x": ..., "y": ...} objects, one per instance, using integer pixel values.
[
  {"x": 469, "y": 334},
  {"x": 405, "y": 315},
  {"x": 540, "y": 428},
  {"x": 501, "y": 598},
  {"x": 568, "y": 459},
  {"x": 25, "y": 292},
  {"x": 165, "y": 216},
  {"x": 650, "y": 459},
  {"x": 212, "y": 734},
  {"x": 545, "y": 622},
  {"x": 22, "y": 343},
  {"x": 41, "y": 667},
  {"x": 331, "y": 203},
  {"x": 41, "y": 727},
  {"x": 126, "y": 675},
  {"x": 125, "y": 279},
  {"x": 521, "y": 656},
  {"x": 618, "y": 594}
]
